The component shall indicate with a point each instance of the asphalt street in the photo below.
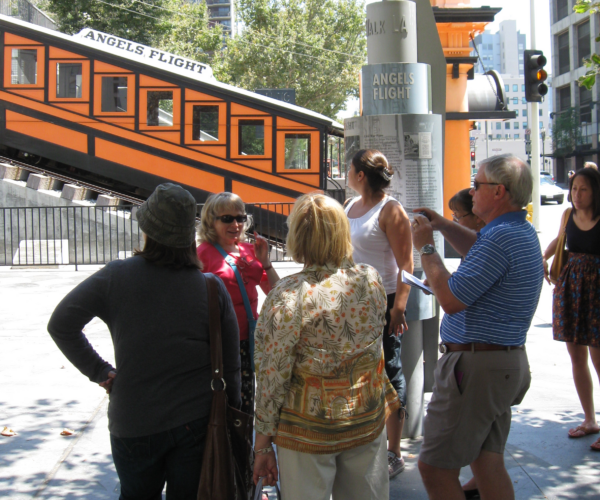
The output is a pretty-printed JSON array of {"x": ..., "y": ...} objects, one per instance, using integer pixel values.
[{"x": 41, "y": 394}]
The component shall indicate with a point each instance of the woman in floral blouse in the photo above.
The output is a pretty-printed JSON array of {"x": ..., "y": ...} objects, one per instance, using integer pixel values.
[{"x": 322, "y": 392}]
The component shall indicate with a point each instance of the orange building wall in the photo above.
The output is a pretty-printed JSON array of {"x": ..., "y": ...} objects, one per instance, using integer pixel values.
[
  {"x": 455, "y": 38},
  {"x": 457, "y": 160}
]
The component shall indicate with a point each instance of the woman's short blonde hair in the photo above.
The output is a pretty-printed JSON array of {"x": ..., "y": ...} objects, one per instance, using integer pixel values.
[
  {"x": 215, "y": 205},
  {"x": 319, "y": 231}
]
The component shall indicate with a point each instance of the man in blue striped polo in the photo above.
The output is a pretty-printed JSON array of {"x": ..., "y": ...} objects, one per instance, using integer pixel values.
[{"x": 489, "y": 304}]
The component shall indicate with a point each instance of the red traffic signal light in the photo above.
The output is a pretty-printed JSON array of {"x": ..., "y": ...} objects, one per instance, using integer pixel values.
[
  {"x": 472, "y": 155},
  {"x": 535, "y": 76}
]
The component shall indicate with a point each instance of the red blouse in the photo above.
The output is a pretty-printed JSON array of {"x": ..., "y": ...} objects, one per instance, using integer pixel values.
[{"x": 252, "y": 273}]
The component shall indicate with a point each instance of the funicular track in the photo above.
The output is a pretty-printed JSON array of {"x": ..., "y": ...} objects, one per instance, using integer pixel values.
[{"x": 97, "y": 188}]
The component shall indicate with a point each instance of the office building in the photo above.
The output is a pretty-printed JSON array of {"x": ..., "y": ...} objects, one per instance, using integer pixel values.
[
  {"x": 501, "y": 51},
  {"x": 222, "y": 12},
  {"x": 509, "y": 136},
  {"x": 576, "y": 112}
]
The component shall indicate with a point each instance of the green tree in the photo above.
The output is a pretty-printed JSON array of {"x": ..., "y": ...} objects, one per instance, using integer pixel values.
[
  {"x": 186, "y": 32},
  {"x": 142, "y": 22},
  {"x": 593, "y": 63},
  {"x": 176, "y": 26},
  {"x": 566, "y": 132},
  {"x": 316, "y": 47}
]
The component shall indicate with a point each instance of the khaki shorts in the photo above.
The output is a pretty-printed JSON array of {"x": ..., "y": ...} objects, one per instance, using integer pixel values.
[{"x": 470, "y": 407}]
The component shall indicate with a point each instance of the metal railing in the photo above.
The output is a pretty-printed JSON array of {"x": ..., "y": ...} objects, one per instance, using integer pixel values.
[
  {"x": 84, "y": 235},
  {"x": 26, "y": 11},
  {"x": 41, "y": 236}
]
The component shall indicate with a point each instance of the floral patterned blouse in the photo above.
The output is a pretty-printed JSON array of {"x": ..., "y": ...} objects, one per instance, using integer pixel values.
[{"x": 321, "y": 382}]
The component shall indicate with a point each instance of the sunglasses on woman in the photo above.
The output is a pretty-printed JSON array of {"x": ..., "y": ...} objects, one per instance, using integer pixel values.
[{"x": 228, "y": 219}]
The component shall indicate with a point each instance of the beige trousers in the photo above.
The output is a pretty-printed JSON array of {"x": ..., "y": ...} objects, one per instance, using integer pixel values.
[{"x": 360, "y": 473}]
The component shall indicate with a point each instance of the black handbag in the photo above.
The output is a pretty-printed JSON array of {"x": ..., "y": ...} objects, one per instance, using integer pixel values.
[{"x": 228, "y": 459}]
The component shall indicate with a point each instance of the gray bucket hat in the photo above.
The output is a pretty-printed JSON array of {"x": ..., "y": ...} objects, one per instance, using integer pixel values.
[{"x": 168, "y": 216}]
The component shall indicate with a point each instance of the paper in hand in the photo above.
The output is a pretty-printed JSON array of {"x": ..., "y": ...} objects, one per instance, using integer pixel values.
[{"x": 411, "y": 280}]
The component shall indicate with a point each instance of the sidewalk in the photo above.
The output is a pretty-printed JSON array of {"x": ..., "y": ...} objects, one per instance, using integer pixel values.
[{"x": 42, "y": 393}]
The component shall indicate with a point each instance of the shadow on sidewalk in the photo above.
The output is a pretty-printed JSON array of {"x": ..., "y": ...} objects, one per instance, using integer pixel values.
[{"x": 40, "y": 463}]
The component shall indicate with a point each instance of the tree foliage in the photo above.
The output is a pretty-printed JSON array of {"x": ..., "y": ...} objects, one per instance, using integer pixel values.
[
  {"x": 316, "y": 47},
  {"x": 130, "y": 19},
  {"x": 186, "y": 32},
  {"x": 593, "y": 63},
  {"x": 566, "y": 132},
  {"x": 285, "y": 43}
]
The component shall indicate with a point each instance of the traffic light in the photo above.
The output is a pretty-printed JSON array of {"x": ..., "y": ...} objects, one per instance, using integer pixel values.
[
  {"x": 535, "y": 76},
  {"x": 472, "y": 159}
]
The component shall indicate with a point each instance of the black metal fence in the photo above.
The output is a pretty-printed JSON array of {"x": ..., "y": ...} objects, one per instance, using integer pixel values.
[
  {"x": 25, "y": 10},
  {"x": 83, "y": 235}
]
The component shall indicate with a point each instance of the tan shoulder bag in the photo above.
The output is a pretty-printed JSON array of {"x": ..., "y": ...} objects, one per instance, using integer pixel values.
[{"x": 561, "y": 255}]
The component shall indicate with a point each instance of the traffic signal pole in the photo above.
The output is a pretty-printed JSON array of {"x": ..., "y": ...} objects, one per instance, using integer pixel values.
[{"x": 535, "y": 135}]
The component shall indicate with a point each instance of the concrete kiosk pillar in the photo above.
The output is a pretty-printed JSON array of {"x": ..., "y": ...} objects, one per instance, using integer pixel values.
[{"x": 397, "y": 119}]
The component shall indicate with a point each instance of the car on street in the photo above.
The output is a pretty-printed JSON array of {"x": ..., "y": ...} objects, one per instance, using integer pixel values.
[
  {"x": 549, "y": 191},
  {"x": 546, "y": 174}
]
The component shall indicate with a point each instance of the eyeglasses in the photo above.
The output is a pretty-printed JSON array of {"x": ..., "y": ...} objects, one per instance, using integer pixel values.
[
  {"x": 228, "y": 219},
  {"x": 476, "y": 185},
  {"x": 456, "y": 219}
]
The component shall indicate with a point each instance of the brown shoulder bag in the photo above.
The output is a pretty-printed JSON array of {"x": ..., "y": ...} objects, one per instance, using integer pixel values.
[
  {"x": 228, "y": 455},
  {"x": 561, "y": 255}
]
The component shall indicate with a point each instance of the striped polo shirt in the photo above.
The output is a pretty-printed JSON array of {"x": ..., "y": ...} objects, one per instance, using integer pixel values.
[{"x": 500, "y": 281}]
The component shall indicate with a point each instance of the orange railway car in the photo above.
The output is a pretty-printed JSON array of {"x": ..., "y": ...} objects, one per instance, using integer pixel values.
[{"x": 130, "y": 116}]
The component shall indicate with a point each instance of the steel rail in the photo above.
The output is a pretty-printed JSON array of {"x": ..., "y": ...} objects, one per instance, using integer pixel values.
[{"x": 72, "y": 180}]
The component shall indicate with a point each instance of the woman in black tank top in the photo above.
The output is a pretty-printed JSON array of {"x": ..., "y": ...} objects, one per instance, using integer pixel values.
[{"x": 576, "y": 302}]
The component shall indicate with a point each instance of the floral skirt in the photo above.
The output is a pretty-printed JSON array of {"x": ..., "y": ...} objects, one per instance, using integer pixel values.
[
  {"x": 247, "y": 378},
  {"x": 576, "y": 304}
]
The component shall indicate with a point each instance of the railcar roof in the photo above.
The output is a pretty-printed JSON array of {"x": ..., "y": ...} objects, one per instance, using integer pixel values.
[{"x": 155, "y": 65}]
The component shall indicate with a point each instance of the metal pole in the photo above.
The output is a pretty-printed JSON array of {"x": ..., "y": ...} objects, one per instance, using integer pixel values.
[{"x": 535, "y": 136}]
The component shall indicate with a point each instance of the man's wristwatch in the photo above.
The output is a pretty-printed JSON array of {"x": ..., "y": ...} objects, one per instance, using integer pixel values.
[{"x": 427, "y": 249}]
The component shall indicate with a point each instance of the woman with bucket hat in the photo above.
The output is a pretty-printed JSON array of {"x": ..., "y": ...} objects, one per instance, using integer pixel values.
[{"x": 155, "y": 306}]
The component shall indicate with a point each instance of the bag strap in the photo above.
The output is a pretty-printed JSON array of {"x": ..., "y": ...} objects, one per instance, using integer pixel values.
[
  {"x": 214, "y": 326},
  {"x": 567, "y": 215},
  {"x": 231, "y": 261}
]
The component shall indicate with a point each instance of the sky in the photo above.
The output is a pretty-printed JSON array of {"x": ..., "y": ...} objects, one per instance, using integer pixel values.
[{"x": 511, "y": 9}]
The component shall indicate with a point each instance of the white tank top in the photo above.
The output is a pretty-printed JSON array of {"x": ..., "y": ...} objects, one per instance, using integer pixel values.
[{"x": 371, "y": 245}]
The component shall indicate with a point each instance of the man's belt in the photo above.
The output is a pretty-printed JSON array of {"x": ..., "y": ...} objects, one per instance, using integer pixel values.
[{"x": 476, "y": 346}]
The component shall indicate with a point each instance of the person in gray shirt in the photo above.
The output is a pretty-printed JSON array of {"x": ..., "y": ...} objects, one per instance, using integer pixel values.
[{"x": 155, "y": 305}]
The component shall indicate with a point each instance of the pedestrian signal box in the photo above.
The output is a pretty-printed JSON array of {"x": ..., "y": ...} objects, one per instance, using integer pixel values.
[{"x": 535, "y": 76}]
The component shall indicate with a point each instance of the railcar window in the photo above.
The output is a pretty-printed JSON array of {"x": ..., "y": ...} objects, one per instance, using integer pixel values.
[
  {"x": 297, "y": 151},
  {"x": 205, "y": 123},
  {"x": 68, "y": 80},
  {"x": 252, "y": 137},
  {"x": 114, "y": 94},
  {"x": 24, "y": 67},
  {"x": 160, "y": 108}
]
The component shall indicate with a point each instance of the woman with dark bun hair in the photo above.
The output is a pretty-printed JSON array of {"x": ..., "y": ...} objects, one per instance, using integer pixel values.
[{"x": 381, "y": 237}]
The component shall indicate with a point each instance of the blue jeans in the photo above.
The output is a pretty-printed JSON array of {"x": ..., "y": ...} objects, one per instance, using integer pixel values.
[
  {"x": 392, "y": 347},
  {"x": 174, "y": 456}
]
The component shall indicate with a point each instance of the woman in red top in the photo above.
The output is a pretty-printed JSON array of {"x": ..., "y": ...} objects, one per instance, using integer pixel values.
[{"x": 224, "y": 222}]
